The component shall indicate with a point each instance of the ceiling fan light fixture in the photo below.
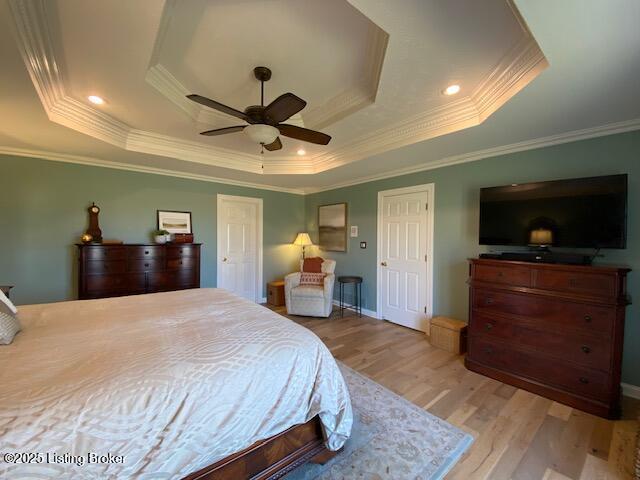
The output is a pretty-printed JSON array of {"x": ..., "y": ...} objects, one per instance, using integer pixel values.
[{"x": 259, "y": 133}]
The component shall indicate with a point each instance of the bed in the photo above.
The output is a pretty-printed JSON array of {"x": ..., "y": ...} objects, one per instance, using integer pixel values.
[{"x": 165, "y": 385}]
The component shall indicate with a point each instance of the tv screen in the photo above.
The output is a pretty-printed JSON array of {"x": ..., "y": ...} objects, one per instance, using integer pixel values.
[{"x": 577, "y": 213}]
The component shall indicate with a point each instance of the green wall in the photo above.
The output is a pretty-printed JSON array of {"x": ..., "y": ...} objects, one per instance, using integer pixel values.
[
  {"x": 456, "y": 217},
  {"x": 43, "y": 213}
]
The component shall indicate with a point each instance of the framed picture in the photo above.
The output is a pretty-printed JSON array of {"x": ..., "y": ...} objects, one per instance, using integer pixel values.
[
  {"x": 174, "y": 222},
  {"x": 332, "y": 227}
]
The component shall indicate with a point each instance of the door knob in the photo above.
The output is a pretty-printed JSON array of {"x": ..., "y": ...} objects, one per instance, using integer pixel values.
[
  {"x": 224, "y": 259},
  {"x": 384, "y": 264}
]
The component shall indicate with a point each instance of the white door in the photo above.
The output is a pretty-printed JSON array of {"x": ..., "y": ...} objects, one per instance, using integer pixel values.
[
  {"x": 404, "y": 232},
  {"x": 240, "y": 245}
]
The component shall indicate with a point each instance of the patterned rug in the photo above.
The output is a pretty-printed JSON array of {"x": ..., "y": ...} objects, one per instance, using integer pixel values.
[{"x": 391, "y": 439}]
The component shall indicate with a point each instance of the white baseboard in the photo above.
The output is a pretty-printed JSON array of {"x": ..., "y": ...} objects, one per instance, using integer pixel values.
[
  {"x": 629, "y": 390},
  {"x": 365, "y": 311},
  {"x": 263, "y": 300}
]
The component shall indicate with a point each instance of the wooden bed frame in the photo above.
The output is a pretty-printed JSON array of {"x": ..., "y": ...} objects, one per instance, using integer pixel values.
[{"x": 271, "y": 458}]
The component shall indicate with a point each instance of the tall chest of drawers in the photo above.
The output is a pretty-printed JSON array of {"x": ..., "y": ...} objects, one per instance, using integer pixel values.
[
  {"x": 129, "y": 269},
  {"x": 555, "y": 330}
]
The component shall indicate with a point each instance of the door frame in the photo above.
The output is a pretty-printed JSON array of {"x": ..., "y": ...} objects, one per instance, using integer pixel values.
[
  {"x": 258, "y": 202},
  {"x": 430, "y": 189}
]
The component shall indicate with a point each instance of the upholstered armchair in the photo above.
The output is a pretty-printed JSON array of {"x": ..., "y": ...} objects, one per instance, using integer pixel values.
[{"x": 310, "y": 300}]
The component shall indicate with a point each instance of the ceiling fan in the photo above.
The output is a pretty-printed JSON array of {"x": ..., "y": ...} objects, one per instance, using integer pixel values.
[{"x": 265, "y": 123}]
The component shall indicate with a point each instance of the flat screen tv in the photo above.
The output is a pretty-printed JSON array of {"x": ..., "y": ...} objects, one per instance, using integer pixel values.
[{"x": 577, "y": 213}]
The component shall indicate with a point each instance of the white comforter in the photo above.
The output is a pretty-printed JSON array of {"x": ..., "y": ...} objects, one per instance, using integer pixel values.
[{"x": 165, "y": 383}]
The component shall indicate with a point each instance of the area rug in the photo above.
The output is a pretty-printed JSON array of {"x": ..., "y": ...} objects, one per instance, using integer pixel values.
[{"x": 391, "y": 439}]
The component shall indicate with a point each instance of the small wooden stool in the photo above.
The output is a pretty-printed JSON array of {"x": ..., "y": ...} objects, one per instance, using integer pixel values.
[
  {"x": 449, "y": 334},
  {"x": 275, "y": 293}
]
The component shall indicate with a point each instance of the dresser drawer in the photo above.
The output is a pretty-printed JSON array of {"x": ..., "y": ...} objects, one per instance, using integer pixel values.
[
  {"x": 179, "y": 251},
  {"x": 108, "y": 283},
  {"x": 587, "y": 283},
  {"x": 104, "y": 253},
  {"x": 152, "y": 264},
  {"x": 172, "y": 280},
  {"x": 146, "y": 252},
  {"x": 105, "y": 266},
  {"x": 507, "y": 274},
  {"x": 576, "y": 379},
  {"x": 182, "y": 262},
  {"x": 556, "y": 314},
  {"x": 590, "y": 351}
]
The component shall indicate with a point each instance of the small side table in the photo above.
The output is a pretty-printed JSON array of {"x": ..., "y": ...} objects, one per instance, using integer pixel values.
[
  {"x": 5, "y": 289},
  {"x": 357, "y": 293},
  {"x": 275, "y": 293}
]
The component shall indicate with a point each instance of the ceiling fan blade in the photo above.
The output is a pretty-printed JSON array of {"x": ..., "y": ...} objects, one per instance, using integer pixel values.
[
  {"x": 275, "y": 145},
  {"x": 207, "y": 102},
  {"x": 304, "y": 134},
  {"x": 222, "y": 131},
  {"x": 283, "y": 107}
]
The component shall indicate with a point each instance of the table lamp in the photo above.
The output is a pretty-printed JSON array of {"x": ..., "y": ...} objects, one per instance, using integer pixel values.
[
  {"x": 302, "y": 240},
  {"x": 541, "y": 238}
]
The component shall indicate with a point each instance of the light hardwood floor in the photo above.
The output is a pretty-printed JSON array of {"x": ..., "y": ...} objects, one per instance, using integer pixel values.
[{"x": 518, "y": 435}]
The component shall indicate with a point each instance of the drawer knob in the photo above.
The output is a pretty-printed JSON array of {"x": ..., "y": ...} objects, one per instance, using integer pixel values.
[
  {"x": 488, "y": 350},
  {"x": 146, "y": 264},
  {"x": 500, "y": 274},
  {"x": 180, "y": 262},
  {"x": 488, "y": 301},
  {"x": 488, "y": 326},
  {"x": 587, "y": 318},
  {"x": 146, "y": 252},
  {"x": 584, "y": 380},
  {"x": 573, "y": 282},
  {"x": 585, "y": 349}
]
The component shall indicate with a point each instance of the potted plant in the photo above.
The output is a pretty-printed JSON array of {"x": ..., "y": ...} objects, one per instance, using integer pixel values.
[{"x": 161, "y": 236}]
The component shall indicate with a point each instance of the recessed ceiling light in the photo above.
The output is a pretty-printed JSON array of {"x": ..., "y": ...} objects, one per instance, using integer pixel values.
[
  {"x": 301, "y": 151},
  {"x": 95, "y": 99},
  {"x": 452, "y": 89}
]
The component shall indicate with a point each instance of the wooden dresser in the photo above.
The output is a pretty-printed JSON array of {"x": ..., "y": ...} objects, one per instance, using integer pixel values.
[
  {"x": 555, "y": 330},
  {"x": 129, "y": 269}
]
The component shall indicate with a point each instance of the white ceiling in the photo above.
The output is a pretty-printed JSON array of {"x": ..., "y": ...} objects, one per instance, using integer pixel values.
[{"x": 372, "y": 72}]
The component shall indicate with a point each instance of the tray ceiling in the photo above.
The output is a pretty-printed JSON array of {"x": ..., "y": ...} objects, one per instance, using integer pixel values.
[{"x": 372, "y": 72}]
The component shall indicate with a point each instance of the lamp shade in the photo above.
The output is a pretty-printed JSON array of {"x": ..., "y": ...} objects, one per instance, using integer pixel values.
[
  {"x": 541, "y": 236},
  {"x": 303, "y": 240},
  {"x": 260, "y": 133}
]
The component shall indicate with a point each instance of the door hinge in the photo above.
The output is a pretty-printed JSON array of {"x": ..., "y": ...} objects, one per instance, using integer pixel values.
[
  {"x": 426, "y": 205},
  {"x": 426, "y": 257},
  {"x": 425, "y": 309}
]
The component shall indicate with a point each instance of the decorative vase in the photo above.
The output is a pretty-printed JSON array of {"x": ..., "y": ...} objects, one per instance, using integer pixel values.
[{"x": 161, "y": 239}]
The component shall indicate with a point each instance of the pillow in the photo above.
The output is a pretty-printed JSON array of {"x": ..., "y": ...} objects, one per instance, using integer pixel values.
[
  {"x": 9, "y": 324},
  {"x": 309, "y": 278},
  {"x": 312, "y": 265}
]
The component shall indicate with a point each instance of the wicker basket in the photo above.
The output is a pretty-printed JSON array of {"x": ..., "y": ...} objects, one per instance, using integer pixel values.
[{"x": 449, "y": 334}]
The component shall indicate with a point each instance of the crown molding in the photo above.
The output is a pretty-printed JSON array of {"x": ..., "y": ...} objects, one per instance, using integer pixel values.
[
  {"x": 567, "y": 137},
  {"x": 516, "y": 69},
  {"x": 359, "y": 96},
  {"x": 96, "y": 162},
  {"x": 35, "y": 43},
  {"x": 519, "y": 66},
  {"x": 352, "y": 99}
]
